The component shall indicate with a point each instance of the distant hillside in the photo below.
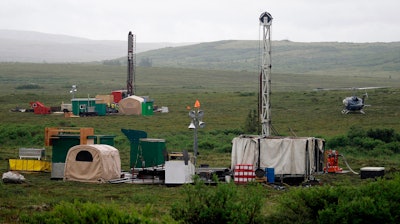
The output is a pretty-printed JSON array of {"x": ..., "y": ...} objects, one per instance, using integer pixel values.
[
  {"x": 355, "y": 59},
  {"x": 287, "y": 57},
  {"x": 28, "y": 46}
]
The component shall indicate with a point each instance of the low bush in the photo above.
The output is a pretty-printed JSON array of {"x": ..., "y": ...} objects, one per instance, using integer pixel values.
[
  {"x": 366, "y": 143},
  {"x": 252, "y": 123},
  {"x": 20, "y": 135},
  {"x": 337, "y": 142},
  {"x": 386, "y": 135},
  {"x": 79, "y": 212},
  {"x": 375, "y": 202},
  {"x": 373, "y": 141},
  {"x": 29, "y": 86},
  {"x": 356, "y": 131},
  {"x": 224, "y": 203},
  {"x": 392, "y": 146}
]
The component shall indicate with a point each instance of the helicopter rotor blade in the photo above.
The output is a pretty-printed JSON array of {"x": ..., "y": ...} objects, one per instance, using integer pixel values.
[
  {"x": 372, "y": 87},
  {"x": 351, "y": 88}
]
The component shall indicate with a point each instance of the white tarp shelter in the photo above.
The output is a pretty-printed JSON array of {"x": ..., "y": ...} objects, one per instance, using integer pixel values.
[
  {"x": 131, "y": 105},
  {"x": 287, "y": 155},
  {"x": 92, "y": 163}
]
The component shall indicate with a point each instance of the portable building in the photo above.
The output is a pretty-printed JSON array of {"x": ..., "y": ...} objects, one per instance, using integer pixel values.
[
  {"x": 147, "y": 108},
  {"x": 105, "y": 99},
  {"x": 119, "y": 95},
  {"x": 150, "y": 153},
  {"x": 288, "y": 156},
  {"x": 131, "y": 105},
  {"x": 62, "y": 139},
  {"x": 95, "y": 163},
  {"x": 88, "y": 107}
]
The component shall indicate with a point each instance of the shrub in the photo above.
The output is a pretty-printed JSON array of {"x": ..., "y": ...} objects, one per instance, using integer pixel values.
[
  {"x": 380, "y": 152},
  {"x": 303, "y": 205},
  {"x": 247, "y": 94},
  {"x": 19, "y": 135},
  {"x": 374, "y": 202},
  {"x": 356, "y": 131},
  {"x": 206, "y": 145},
  {"x": 251, "y": 125},
  {"x": 225, "y": 203},
  {"x": 386, "y": 135},
  {"x": 29, "y": 86},
  {"x": 337, "y": 142},
  {"x": 367, "y": 143},
  {"x": 392, "y": 146},
  {"x": 87, "y": 212},
  {"x": 376, "y": 141},
  {"x": 226, "y": 148},
  {"x": 232, "y": 131}
]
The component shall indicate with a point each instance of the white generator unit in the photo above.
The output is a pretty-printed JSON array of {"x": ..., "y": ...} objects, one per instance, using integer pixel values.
[{"x": 179, "y": 172}]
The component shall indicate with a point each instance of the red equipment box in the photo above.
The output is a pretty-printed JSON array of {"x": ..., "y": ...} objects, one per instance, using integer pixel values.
[{"x": 244, "y": 173}]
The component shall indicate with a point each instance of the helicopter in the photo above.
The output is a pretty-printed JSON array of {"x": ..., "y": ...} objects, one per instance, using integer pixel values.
[{"x": 354, "y": 104}]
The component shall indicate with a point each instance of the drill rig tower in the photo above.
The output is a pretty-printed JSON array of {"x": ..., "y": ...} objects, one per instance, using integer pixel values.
[
  {"x": 130, "y": 81},
  {"x": 265, "y": 79}
]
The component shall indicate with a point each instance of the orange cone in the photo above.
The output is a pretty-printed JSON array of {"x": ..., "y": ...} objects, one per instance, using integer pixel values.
[{"x": 197, "y": 104}]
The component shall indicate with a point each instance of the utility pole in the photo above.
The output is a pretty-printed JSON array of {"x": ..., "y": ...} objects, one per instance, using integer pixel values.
[{"x": 197, "y": 122}]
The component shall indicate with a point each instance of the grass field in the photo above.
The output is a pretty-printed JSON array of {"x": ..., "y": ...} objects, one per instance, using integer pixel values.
[{"x": 226, "y": 98}]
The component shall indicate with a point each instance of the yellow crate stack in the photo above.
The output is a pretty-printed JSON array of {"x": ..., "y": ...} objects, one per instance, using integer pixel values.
[{"x": 29, "y": 165}]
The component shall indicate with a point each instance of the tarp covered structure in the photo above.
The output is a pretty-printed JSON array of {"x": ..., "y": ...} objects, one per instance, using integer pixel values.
[
  {"x": 287, "y": 155},
  {"x": 92, "y": 163},
  {"x": 131, "y": 105}
]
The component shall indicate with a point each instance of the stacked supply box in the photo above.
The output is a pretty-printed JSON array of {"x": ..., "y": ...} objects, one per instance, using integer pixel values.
[
  {"x": 372, "y": 172},
  {"x": 244, "y": 173}
]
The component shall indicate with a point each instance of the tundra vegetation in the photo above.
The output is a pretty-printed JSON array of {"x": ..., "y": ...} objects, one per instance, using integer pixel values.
[{"x": 229, "y": 100}]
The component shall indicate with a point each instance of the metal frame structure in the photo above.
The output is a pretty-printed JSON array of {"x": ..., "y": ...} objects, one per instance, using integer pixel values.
[
  {"x": 130, "y": 81},
  {"x": 265, "y": 79}
]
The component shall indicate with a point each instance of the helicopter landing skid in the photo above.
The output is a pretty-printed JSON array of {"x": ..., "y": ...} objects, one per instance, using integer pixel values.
[{"x": 345, "y": 111}]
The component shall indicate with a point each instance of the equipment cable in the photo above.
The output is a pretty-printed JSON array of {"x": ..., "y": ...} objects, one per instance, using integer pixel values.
[{"x": 348, "y": 166}]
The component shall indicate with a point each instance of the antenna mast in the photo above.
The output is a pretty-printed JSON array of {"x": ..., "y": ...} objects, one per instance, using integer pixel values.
[
  {"x": 265, "y": 79},
  {"x": 131, "y": 64}
]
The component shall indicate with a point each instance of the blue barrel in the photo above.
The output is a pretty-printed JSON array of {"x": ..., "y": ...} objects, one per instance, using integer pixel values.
[{"x": 270, "y": 173}]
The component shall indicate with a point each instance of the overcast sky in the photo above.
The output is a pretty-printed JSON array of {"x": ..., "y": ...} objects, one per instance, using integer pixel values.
[{"x": 207, "y": 20}]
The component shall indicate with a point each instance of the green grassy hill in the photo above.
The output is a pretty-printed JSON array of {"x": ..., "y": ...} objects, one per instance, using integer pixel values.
[{"x": 334, "y": 58}]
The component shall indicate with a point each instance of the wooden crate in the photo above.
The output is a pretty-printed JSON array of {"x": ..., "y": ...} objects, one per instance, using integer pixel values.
[{"x": 52, "y": 132}]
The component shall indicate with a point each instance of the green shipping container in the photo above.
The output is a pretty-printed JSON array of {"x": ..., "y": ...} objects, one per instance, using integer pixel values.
[
  {"x": 62, "y": 143},
  {"x": 103, "y": 139},
  {"x": 101, "y": 109},
  {"x": 151, "y": 152},
  {"x": 147, "y": 108},
  {"x": 88, "y": 105},
  {"x": 83, "y": 105}
]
